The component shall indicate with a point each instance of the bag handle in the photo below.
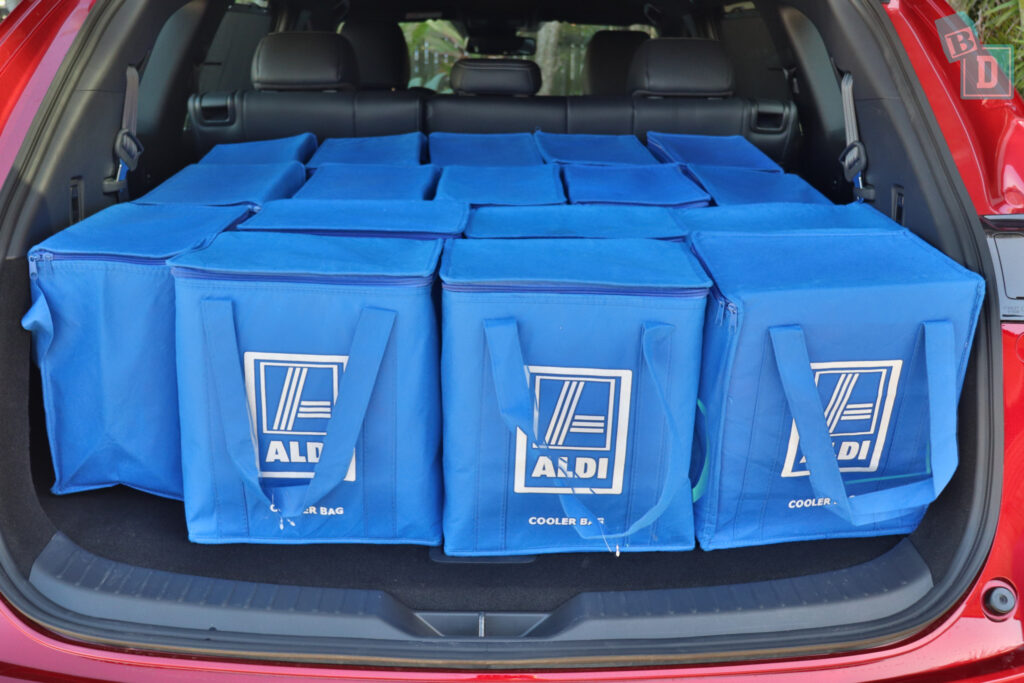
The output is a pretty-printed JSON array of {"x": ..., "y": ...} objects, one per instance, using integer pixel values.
[
  {"x": 794, "y": 366},
  {"x": 515, "y": 402},
  {"x": 372, "y": 333}
]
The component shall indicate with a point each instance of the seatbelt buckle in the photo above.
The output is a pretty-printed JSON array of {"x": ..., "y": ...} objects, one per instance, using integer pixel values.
[
  {"x": 127, "y": 150},
  {"x": 854, "y": 160}
]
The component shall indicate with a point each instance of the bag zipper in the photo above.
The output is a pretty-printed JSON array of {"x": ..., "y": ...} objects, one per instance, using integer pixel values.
[
  {"x": 560, "y": 288},
  {"x": 304, "y": 278},
  {"x": 48, "y": 256}
]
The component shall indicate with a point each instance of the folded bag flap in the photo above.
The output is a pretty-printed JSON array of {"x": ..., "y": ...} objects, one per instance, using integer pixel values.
[
  {"x": 482, "y": 149},
  {"x": 502, "y": 185},
  {"x": 742, "y": 186},
  {"x": 619, "y": 266},
  {"x": 369, "y": 343},
  {"x": 574, "y": 220},
  {"x": 439, "y": 216},
  {"x": 228, "y": 184},
  {"x": 515, "y": 402},
  {"x": 370, "y": 181},
  {"x": 141, "y": 231},
  {"x": 783, "y": 217},
  {"x": 574, "y": 148},
  {"x": 660, "y": 185},
  {"x": 405, "y": 149},
  {"x": 716, "y": 150},
  {"x": 255, "y": 253},
  {"x": 941, "y": 361},
  {"x": 295, "y": 148}
]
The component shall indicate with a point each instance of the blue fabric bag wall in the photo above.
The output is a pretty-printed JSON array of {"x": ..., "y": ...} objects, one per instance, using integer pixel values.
[
  {"x": 102, "y": 322},
  {"x": 574, "y": 220},
  {"x": 710, "y": 150},
  {"x": 296, "y": 148},
  {"x": 370, "y": 181},
  {"x": 782, "y": 217},
  {"x": 228, "y": 184},
  {"x": 308, "y": 384},
  {"x": 502, "y": 185},
  {"x": 589, "y": 448},
  {"x": 832, "y": 370},
  {"x": 484, "y": 149},
  {"x": 740, "y": 186},
  {"x": 661, "y": 185},
  {"x": 412, "y": 218},
  {"x": 393, "y": 150},
  {"x": 572, "y": 148}
]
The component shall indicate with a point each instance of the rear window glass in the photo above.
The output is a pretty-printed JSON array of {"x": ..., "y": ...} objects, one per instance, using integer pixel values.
[{"x": 435, "y": 45}]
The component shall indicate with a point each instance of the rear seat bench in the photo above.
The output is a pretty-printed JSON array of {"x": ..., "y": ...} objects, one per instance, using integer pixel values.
[{"x": 307, "y": 81}]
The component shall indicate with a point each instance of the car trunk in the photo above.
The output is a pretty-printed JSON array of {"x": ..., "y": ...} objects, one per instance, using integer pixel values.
[{"x": 115, "y": 565}]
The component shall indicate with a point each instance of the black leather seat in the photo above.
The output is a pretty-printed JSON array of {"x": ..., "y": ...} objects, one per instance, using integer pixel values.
[
  {"x": 303, "y": 82},
  {"x": 495, "y": 96},
  {"x": 381, "y": 52},
  {"x": 607, "y": 61},
  {"x": 685, "y": 85}
]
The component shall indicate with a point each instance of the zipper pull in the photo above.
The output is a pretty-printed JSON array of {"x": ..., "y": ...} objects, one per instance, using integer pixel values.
[
  {"x": 33, "y": 262},
  {"x": 733, "y": 315},
  {"x": 720, "y": 313}
]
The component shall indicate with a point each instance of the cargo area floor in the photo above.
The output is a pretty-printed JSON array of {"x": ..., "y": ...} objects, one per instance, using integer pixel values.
[{"x": 143, "y": 530}]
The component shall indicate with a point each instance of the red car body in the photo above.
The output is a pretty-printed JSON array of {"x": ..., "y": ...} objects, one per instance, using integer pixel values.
[{"x": 986, "y": 138}]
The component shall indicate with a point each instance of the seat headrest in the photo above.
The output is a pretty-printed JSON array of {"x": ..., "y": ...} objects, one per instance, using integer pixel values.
[
  {"x": 683, "y": 67},
  {"x": 381, "y": 52},
  {"x": 495, "y": 77},
  {"x": 304, "y": 60},
  {"x": 607, "y": 60}
]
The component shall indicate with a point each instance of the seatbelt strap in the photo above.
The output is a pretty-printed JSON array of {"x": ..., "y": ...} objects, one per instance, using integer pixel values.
[
  {"x": 854, "y": 158},
  {"x": 127, "y": 148}
]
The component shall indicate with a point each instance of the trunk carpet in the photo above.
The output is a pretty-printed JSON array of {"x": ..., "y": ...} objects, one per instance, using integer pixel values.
[{"x": 135, "y": 528}]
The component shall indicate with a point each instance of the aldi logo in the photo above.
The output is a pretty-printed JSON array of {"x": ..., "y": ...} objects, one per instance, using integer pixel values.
[
  {"x": 581, "y": 419},
  {"x": 858, "y": 398},
  {"x": 291, "y": 399}
]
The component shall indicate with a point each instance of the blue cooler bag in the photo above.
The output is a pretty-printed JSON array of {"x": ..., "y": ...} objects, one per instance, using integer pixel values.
[
  {"x": 502, "y": 185},
  {"x": 412, "y": 218},
  {"x": 569, "y": 370},
  {"x": 741, "y": 186},
  {"x": 574, "y": 220},
  {"x": 484, "y": 149},
  {"x": 296, "y": 148},
  {"x": 832, "y": 370},
  {"x": 370, "y": 181},
  {"x": 711, "y": 150},
  {"x": 102, "y": 320},
  {"x": 576, "y": 148},
  {"x": 405, "y": 149},
  {"x": 660, "y": 185},
  {"x": 228, "y": 184},
  {"x": 308, "y": 387}
]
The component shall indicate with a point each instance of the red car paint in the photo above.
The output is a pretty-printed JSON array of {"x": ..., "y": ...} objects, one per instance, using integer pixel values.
[{"x": 986, "y": 138}]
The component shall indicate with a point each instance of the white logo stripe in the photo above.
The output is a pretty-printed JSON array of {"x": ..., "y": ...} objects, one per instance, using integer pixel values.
[
  {"x": 285, "y": 394},
  {"x": 840, "y": 385},
  {"x": 572, "y": 411},
  {"x": 563, "y": 413},
  {"x": 841, "y": 406},
  {"x": 556, "y": 412},
  {"x": 300, "y": 383}
]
